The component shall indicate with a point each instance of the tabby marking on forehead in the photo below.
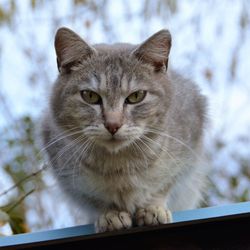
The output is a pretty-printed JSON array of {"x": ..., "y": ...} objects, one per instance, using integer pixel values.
[{"x": 103, "y": 83}]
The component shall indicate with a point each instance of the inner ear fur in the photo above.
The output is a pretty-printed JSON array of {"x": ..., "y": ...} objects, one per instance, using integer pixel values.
[
  {"x": 155, "y": 50},
  {"x": 70, "y": 48}
]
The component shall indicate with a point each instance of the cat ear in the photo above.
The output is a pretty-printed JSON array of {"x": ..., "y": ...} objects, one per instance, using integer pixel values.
[
  {"x": 155, "y": 50},
  {"x": 70, "y": 48}
]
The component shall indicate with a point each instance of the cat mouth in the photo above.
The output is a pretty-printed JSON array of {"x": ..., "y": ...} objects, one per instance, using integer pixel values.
[
  {"x": 114, "y": 139},
  {"x": 115, "y": 144}
]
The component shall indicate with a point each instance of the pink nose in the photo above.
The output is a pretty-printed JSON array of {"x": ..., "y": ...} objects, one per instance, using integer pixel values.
[{"x": 112, "y": 127}]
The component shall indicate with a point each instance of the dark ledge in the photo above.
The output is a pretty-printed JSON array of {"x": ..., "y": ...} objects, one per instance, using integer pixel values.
[{"x": 224, "y": 227}]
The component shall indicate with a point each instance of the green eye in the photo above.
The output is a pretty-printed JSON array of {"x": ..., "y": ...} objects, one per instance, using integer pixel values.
[
  {"x": 91, "y": 97},
  {"x": 136, "y": 97}
]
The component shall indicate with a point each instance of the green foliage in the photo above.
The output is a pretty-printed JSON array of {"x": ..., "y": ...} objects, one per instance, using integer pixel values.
[
  {"x": 15, "y": 213},
  {"x": 7, "y": 11},
  {"x": 21, "y": 166}
]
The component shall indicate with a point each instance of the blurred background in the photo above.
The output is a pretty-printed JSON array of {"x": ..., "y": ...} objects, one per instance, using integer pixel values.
[{"x": 211, "y": 45}]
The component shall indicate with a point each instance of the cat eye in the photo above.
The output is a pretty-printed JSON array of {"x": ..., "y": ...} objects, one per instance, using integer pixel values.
[
  {"x": 136, "y": 97},
  {"x": 91, "y": 97}
]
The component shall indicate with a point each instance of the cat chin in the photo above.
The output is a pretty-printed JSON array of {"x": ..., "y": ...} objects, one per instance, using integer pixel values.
[{"x": 114, "y": 145}]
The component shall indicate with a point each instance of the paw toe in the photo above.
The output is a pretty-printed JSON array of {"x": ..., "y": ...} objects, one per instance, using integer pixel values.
[
  {"x": 153, "y": 215},
  {"x": 113, "y": 220}
]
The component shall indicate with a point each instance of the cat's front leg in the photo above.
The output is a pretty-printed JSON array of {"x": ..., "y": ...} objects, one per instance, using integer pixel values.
[
  {"x": 113, "y": 220},
  {"x": 152, "y": 215}
]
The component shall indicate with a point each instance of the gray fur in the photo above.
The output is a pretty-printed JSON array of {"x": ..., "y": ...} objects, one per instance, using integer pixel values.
[{"x": 159, "y": 158}]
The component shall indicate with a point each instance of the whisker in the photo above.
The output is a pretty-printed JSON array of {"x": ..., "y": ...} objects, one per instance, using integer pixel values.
[
  {"x": 52, "y": 142},
  {"x": 63, "y": 132},
  {"x": 162, "y": 133},
  {"x": 63, "y": 167},
  {"x": 80, "y": 157},
  {"x": 64, "y": 149},
  {"x": 145, "y": 144},
  {"x": 137, "y": 147},
  {"x": 163, "y": 148}
]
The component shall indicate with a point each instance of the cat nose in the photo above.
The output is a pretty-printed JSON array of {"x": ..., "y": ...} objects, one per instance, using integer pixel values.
[
  {"x": 113, "y": 121},
  {"x": 112, "y": 127}
]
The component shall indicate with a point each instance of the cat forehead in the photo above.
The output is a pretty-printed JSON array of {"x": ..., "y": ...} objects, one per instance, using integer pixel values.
[
  {"x": 115, "y": 57},
  {"x": 110, "y": 60},
  {"x": 113, "y": 68},
  {"x": 116, "y": 48},
  {"x": 113, "y": 83}
]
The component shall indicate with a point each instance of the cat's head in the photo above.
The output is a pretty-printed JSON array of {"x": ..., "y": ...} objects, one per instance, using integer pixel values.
[{"x": 111, "y": 93}]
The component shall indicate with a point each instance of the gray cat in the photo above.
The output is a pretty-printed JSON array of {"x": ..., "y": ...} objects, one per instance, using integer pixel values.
[{"x": 123, "y": 133}]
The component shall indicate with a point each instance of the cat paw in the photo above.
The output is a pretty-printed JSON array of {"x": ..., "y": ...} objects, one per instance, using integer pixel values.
[
  {"x": 113, "y": 220},
  {"x": 153, "y": 215}
]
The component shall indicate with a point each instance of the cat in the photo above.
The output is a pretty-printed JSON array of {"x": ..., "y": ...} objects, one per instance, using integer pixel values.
[{"x": 124, "y": 133}]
